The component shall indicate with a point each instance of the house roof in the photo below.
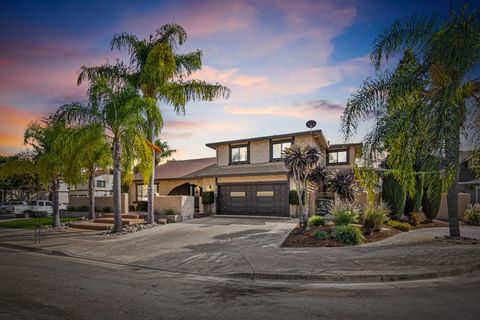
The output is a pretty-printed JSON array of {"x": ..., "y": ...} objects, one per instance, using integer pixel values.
[
  {"x": 240, "y": 170},
  {"x": 175, "y": 169},
  {"x": 318, "y": 133},
  {"x": 344, "y": 145}
]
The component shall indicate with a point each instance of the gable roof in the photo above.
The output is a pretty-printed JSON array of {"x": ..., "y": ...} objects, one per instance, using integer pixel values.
[
  {"x": 316, "y": 133},
  {"x": 175, "y": 169}
]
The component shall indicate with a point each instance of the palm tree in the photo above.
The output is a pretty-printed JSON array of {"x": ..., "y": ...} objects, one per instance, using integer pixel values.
[
  {"x": 44, "y": 138},
  {"x": 87, "y": 147},
  {"x": 116, "y": 106},
  {"x": 161, "y": 74},
  {"x": 165, "y": 151},
  {"x": 342, "y": 184},
  {"x": 422, "y": 105},
  {"x": 300, "y": 161}
]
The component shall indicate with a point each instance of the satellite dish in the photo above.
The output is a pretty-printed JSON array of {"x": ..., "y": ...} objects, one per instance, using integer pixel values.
[{"x": 311, "y": 124}]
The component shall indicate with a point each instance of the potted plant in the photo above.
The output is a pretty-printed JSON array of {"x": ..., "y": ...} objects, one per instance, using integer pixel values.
[{"x": 208, "y": 198}]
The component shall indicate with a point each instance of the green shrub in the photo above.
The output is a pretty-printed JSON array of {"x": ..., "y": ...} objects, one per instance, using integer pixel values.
[
  {"x": 132, "y": 207},
  {"x": 472, "y": 216},
  {"x": 208, "y": 197},
  {"x": 293, "y": 198},
  {"x": 394, "y": 196},
  {"x": 106, "y": 209},
  {"x": 432, "y": 196},
  {"x": 142, "y": 206},
  {"x": 319, "y": 235},
  {"x": 348, "y": 234},
  {"x": 344, "y": 213},
  {"x": 83, "y": 208},
  {"x": 316, "y": 221},
  {"x": 402, "y": 226},
  {"x": 415, "y": 218},
  {"x": 156, "y": 212},
  {"x": 71, "y": 208},
  {"x": 169, "y": 212},
  {"x": 374, "y": 217}
]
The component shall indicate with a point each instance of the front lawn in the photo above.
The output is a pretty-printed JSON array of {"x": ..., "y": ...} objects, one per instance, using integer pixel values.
[{"x": 30, "y": 223}]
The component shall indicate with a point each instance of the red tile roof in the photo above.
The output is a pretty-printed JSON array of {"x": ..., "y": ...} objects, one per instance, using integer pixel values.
[{"x": 176, "y": 169}]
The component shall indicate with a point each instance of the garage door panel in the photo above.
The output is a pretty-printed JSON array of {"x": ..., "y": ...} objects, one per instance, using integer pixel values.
[{"x": 254, "y": 199}]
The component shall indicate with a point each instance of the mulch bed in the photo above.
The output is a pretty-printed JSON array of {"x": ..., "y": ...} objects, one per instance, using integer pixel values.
[
  {"x": 432, "y": 224},
  {"x": 297, "y": 239}
]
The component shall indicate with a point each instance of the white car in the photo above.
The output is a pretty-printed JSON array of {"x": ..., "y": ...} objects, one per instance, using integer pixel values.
[
  {"x": 16, "y": 207},
  {"x": 42, "y": 207}
]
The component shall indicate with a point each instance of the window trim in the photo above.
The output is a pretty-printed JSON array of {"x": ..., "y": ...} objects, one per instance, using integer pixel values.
[
  {"x": 336, "y": 151},
  {"x": 272, "y": 142},
  {"x": 230, "y": 147}
]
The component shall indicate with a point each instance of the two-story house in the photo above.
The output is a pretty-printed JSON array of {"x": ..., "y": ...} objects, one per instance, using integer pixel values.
[{"x": 248, "y": 176}]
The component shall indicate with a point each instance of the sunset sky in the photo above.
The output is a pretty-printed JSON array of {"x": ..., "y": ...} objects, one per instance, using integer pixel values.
[{"x": 285, "y": 61}]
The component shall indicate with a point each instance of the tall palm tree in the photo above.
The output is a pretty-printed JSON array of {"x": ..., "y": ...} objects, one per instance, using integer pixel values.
[
  {"x": 87, "y": 147},
  {"x": 300, "y": 161},
  {"x": 44, "y": 138},
  {"x": 162, "y": 75},
  {"x": 116, "y": 106},
  {"x": 422, "y": 105}
]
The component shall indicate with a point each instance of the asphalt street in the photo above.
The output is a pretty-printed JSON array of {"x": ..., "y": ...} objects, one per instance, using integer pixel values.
[{"x": 39, "y": 286}]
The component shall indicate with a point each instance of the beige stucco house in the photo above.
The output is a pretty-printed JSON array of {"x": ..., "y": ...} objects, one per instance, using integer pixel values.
[{"x": 247, "y": 175}]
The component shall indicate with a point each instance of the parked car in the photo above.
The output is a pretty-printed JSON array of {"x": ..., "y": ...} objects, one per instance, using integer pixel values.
[
  {"x": 16, "y": 207},
  {"x": 43, "y": 207}
]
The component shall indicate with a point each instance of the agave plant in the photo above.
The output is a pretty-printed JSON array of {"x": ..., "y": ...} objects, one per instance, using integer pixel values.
[{"x": 343, "y": 184}]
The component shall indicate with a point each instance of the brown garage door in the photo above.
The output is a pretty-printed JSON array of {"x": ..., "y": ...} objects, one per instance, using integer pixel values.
[{"x": 266, "y": 199}]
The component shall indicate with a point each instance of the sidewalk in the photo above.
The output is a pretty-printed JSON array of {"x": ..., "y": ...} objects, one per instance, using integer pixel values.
[{"x": 254, "y": 252}]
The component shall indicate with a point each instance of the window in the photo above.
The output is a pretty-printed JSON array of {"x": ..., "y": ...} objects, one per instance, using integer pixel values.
[
  {"x": 101, "y": 183},
  {"x": 337, "y": 157},
  {"x": 239, "y": 154},
  {"x": 142, "y": 191},
  {"x": 264, "y": 193},
  {"x": 49, "y": 204},
  {"x": 277, "y": 149},
  {"x": 237, "y": 194}
]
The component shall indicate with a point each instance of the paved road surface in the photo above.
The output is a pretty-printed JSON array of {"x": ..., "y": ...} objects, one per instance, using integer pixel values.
[{"x": 37, "y": 286}]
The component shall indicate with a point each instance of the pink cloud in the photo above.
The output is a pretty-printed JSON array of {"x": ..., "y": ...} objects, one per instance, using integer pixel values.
[
  {"x": 199, "y": 18},
  {"x": 318, "y": 109}
]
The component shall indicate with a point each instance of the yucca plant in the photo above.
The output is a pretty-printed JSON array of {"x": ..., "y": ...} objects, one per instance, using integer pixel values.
[{"x": 342, "y": 184}]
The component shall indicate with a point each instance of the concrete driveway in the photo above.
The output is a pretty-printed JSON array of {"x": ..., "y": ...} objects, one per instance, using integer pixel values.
[{"x": 203, "y": 245}]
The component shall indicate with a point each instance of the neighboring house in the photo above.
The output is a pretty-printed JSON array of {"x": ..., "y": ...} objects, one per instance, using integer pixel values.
[
  {"x": 103, "y": 186},
  {"x": 248, "y": 176},
  {"x": 469, "y": 182}
]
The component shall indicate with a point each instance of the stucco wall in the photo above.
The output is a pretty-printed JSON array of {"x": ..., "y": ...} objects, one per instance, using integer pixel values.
[
  {"x": 222, "y": 154},
  {"x": 260, "y": 151},
  {"x": 239, "y": 179},
  {"x": 100, "y": 202},
  {"x": 183, "y": 205},
  {"x": 463, "y": 202}
]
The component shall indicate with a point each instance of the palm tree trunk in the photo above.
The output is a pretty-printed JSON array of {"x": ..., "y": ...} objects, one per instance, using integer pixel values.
[
  {"x": 117, "y": 150},
  {"x": 452, "y": 157},
  {"x": 91, "y": 196},
  {"x": 151, "y": 194},
  {"x": 56, "y": 212}
]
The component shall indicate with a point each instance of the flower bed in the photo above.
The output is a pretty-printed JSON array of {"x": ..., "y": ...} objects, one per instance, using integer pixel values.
[{"x": 298, "y": 239}]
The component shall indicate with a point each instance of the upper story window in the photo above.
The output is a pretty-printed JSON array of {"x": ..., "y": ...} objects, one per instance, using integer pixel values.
[
  {"x": 277, "y": 149},
  {"x": 337, "y": 157},
  {"x": 239, "y": 154},
  {"x": 101, "y": 183}
]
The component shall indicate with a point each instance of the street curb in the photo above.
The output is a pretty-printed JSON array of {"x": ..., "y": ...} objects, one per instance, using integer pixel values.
[
  {"x": 322, "y": 277},
  {"x": 356, "y": 277}
]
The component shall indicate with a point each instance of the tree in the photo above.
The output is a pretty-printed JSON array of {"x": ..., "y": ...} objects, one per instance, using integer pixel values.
[
  {"x": 86, "y": 147},
  {"x": 116, "y": 106},
  {"x": 165, "y": 151},
  {"x": 300, "y": 161},
  {"x": 44, "y": 137},
  {"x": 423, "y": 105},
  {"x": 161, "y": 74},
  {"x": 19, "y": 174}
]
